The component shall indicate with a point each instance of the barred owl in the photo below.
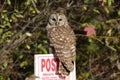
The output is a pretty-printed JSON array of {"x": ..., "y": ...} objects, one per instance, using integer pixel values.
[{"x": 62, "y": 39}]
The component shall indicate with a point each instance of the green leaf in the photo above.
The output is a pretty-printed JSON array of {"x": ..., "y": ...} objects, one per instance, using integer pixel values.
[
  {"x": 23, "y": 64},
  {"x": 42, "y": 49},
  {"x": 105, "y": 1},
  {"x": 35, "y": 1},
  {"x": 4, "y": 11},
  {"x": 106, "y": 10},
  {"x": 1, "y": 31},
  {"x": 86, "y": 75},
  {"x": 28, "y": 34},
  {"x": 8, "y": 78},
  {"x": 73, "y": 15},
  {"x": 96, "y": 11},
  {"x": 28, "y": 47},
  {"x": 6, "y": 18},
  {"x": 8, "y": 2},
  {"x": 118, "y": 12},
  {"x": 85, "y": 7},
  {"x": 90, "y": 40},
  {"x": 28, "y": 2},
  {"x": 19, "y": 15},
  {"x": 8, "y": 24},
  {"x": 5, "y": 65},
  {"x": 83, "y": 25},
  {"x": 109, "y": 2},
  {"x": 86, "y": 1},
  {"x": 1, "y": 77},
  {"x": 77, "y": 58},
  {"x": 21, "y": 57},
  {"x": 13, "y": 17},
  {"x": 45, "y": 41}
]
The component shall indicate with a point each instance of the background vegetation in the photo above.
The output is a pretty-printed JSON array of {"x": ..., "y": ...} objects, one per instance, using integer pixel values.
[{"x": 23, "y": 34}]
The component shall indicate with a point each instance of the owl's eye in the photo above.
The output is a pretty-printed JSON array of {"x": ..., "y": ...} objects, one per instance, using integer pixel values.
[
  {"x": 60, "y": 19},
  {"x": 53, "y": 19}
]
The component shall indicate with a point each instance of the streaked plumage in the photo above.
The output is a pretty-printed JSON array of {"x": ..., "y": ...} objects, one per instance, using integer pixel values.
[{"x": 62, "y": 39}]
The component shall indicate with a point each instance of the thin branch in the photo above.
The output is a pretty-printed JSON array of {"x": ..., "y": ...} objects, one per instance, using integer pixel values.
[
  {"x": 34, "y": 5},
  {"x": 110, "y": 37},
  {"x": 97, "y": 38},
  {"x": 2, "y": 6}
]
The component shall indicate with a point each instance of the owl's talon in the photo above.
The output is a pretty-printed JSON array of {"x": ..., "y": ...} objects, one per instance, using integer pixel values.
[{"x": 62, "y": 76}]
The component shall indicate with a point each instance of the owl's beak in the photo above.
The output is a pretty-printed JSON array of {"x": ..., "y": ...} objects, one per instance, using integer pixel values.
[{"x": 57, "y": 23}]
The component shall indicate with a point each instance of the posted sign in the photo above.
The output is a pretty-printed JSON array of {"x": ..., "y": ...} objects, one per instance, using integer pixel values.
[{"x": 46, "y": 66}]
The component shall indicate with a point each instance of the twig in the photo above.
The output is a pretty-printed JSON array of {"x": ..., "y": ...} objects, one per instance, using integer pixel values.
[
  {"x": 35, "y": 6},
  {"x": 96, "y": 38},
  {"x": 90, "y": 66},
  {"x": 7, "y": 49},
  {"x": 2, "y": 6},
  {"x": 112, "y": 37}
]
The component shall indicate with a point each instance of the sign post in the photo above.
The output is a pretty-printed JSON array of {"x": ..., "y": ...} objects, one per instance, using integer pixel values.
[{"x": 46, "y": 66}]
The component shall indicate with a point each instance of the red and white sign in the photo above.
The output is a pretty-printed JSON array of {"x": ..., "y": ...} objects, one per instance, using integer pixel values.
[{"x": 46, "y": 66}]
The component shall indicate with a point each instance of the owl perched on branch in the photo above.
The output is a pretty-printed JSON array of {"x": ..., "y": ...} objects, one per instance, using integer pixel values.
[{"x": 62, "y": 39}]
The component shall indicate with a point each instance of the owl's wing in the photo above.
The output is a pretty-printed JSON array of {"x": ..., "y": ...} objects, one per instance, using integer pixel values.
[{"x": 63, "y": 40}]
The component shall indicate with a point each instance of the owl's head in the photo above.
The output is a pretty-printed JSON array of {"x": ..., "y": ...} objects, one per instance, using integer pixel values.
[{"x": 57, "y": 20}]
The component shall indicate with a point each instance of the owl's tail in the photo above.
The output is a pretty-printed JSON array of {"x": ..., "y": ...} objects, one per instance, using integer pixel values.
[{"x": 66, "y": 67}]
